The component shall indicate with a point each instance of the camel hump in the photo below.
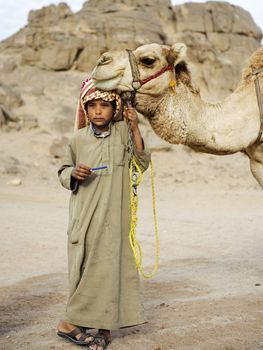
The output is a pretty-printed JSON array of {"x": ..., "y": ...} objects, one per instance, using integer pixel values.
[{"x": 255, "y": 62}]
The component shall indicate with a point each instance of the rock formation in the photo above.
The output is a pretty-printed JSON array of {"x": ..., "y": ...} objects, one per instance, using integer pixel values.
[
  {"x": 219, "y": 36},
  {"x": 43, "y": 64}
]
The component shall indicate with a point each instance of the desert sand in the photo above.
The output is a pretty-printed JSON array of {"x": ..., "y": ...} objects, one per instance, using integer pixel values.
[{"x": 208, "y": 292}]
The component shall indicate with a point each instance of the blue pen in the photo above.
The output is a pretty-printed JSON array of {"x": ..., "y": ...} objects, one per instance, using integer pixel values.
[{"x": 99, "y": 168}]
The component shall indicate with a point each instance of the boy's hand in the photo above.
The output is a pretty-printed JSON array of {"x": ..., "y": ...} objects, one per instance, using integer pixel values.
[
  {"x": 130, "y": 115},
  {"x": 81, "y": 172}
]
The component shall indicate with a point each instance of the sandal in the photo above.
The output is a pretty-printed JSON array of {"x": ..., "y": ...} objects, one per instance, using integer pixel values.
[
  {"x": 100, "y": 340},
  {"x": 72, "y": 336}
]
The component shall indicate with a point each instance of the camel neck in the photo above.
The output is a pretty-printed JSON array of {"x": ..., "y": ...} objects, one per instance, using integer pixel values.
[{"x": 184, "y": 118}]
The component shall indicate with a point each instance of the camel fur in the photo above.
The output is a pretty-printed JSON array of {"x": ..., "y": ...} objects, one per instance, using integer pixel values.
[{"x": 179, "y": 115}]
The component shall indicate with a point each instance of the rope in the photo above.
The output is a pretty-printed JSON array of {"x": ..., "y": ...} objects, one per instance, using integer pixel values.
[
  {"x": 135, "y": 179},
  {"x": 135, "y": 174}
]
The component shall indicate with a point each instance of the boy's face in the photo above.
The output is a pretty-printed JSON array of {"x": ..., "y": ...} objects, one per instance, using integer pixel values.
[{"x": 100, "y": 113}]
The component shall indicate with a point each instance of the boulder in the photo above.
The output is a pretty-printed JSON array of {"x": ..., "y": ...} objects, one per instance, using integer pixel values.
[
  {"x": 58, "y": 147},
  {"x": 58, "y": 57},
  {"x": 28, "y": 121},
  {"x": 7, "y": 118},
  {"x": 9, "y": 98}
]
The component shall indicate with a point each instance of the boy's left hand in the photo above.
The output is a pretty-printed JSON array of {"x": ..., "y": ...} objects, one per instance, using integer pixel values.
[{"x": 130, "y": 115}]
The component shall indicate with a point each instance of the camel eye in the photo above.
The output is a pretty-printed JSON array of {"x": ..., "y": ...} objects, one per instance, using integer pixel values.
[
  {"x": 147, "y": 61},
  {"x": 104, "y": 60}
]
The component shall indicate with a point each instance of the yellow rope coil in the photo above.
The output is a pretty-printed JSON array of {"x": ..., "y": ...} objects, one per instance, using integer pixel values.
[{"x": 135, "y": 245}]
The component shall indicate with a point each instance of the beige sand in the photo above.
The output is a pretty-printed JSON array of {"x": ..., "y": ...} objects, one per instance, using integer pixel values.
[{"x": 208, "y": 293}]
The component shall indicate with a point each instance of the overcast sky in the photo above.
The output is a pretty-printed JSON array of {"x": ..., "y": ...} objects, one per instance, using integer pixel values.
[{"x": 13, "y": 13}]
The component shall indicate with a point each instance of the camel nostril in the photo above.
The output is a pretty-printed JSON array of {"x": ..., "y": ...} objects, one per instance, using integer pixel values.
[{"x": 104, "y": 60}]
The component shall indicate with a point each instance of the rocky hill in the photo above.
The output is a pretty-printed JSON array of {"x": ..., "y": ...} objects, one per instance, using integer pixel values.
[{"x": 43, "y": 65}]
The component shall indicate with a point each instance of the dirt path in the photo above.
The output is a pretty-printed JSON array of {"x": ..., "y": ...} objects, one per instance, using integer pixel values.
[{"x": 208, "y": 294}]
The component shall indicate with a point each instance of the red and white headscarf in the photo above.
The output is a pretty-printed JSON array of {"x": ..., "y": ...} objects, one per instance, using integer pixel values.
[{"x": 88, "y": 92}]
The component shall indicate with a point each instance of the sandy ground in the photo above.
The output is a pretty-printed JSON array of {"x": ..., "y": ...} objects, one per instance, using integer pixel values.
[{"x": 208, "y": 293}]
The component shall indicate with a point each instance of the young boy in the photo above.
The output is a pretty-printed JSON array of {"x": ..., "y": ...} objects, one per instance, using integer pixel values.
[{"x": 103, "y": 280}]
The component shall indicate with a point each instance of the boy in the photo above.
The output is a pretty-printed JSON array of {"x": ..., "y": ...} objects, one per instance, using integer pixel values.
[{"x": 104, "y": 284}]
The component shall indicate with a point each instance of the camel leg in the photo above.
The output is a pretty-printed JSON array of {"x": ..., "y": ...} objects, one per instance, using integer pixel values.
[
  {"x": 257, "y": 171},
  {"x": 255, "y": 154}
]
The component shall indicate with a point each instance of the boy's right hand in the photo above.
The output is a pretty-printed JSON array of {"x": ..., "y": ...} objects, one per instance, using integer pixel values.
[{"x": 81, "y": 172}]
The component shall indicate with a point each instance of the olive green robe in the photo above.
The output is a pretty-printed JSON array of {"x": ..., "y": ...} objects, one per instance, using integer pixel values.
[{"x": 103, "y": 280}]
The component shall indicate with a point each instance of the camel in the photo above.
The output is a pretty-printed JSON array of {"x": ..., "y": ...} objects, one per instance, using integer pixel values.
[{"x": 167, "y": 97}]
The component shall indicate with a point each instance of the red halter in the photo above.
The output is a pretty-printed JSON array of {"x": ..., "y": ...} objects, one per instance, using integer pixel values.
[
  {"x": 137, "y": 82},
  {"x": 155, "y": 75}
]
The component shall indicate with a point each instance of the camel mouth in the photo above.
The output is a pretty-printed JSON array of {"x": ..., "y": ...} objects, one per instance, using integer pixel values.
[
  {"x": 100, "y": 74},
  {"x": 106, "y": 84},
  {"x": 112, "y": 84}
]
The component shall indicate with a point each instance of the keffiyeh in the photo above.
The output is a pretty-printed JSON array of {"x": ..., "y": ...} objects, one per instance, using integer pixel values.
[{"x": 89, "y": 92}]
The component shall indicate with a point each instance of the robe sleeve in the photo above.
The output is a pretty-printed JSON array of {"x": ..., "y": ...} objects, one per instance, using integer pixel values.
[
  {"x": 64, "y": 172},
  {"x": 142, "y": 157}
]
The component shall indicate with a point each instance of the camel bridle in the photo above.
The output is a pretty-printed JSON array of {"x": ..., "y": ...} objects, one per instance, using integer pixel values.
[
  {"x": 137, "y": 82},
  {"x": 255, "y": 73}
]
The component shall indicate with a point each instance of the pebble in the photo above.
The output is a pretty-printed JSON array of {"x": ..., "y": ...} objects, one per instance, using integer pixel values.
[{"x": 14, "y": 182}]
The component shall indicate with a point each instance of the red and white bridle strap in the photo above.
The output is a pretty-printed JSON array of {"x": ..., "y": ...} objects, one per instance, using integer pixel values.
[
  {"x": 137, "y": 81},
  {"x": 155, "y": 75}
]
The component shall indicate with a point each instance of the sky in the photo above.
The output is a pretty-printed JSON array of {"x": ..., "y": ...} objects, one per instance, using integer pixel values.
[{"x": 13, "y": 13}]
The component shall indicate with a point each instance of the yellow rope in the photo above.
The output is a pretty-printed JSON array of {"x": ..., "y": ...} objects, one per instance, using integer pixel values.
[{"x": 135, "y": 245}]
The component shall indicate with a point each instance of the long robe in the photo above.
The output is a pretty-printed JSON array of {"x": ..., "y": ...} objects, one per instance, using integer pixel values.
[{"x": 103, "y": 281}]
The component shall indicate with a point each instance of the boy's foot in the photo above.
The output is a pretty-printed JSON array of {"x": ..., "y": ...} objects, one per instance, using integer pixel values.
[
  {"x": 101, "y": 341},
  {"x": 76, "y": 335}
]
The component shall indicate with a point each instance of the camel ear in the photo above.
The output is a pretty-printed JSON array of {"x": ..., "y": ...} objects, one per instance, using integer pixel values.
[{"x": 179, "y": 50}]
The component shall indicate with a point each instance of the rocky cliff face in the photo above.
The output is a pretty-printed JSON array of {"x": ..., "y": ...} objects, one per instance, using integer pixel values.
[
  {"x": 42, "y": 65},
  {"x": 219, "y": 36}
]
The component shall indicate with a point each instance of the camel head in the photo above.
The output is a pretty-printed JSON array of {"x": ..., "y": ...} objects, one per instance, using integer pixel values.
[{"x": 153, "y": 63}]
